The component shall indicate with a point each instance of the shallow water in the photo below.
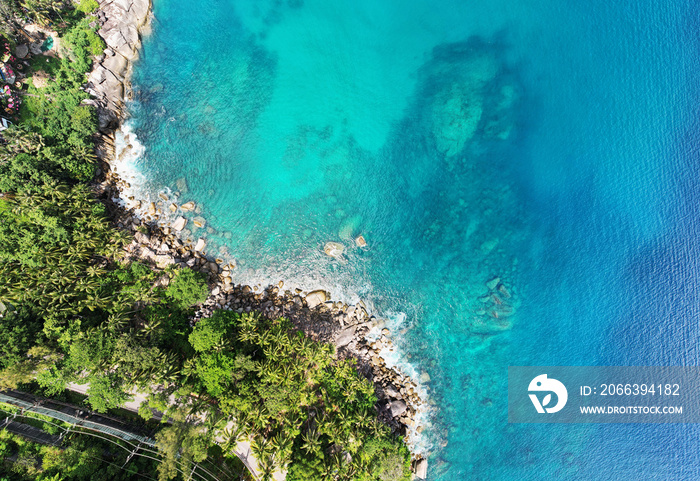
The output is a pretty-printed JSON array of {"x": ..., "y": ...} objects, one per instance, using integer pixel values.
[{"x": 550, "y": 144}]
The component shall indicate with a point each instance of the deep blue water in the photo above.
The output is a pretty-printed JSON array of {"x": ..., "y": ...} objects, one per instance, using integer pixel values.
[{"x": 551, "y": 144}]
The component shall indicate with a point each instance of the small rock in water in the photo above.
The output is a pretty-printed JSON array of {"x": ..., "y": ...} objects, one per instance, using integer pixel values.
[
  {"x": 334, "y": 249},
  {"x": 493, "y": 283},
  {"x": 489, "y": 245},
  {"x": 179, "y": 223},
  {"x": 199, "y": 222},
  {"x": 360, "y": 241},
  {"x": 163, "y": 196},
  {"x": 200, "y": 245},
  {"x": 181, "y": 185},
  {"x": 424, "y": 377},
  {"x": 172, "y": 207},
  {"x": 188, "y": 206},
  {"x": 151, "y": 208}
]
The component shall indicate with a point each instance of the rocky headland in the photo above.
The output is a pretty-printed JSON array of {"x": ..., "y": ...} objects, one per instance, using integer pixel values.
[
  {"x": 122, "y": 22},
  {"x": 356, "y": 333}
]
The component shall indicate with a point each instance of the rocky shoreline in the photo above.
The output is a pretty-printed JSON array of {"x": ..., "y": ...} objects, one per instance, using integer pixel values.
[
  {"x": 356, "y": 333},
  {"x": 122, "y": 23}
]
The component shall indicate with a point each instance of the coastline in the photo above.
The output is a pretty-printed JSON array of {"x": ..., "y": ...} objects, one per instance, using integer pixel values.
[{"x": 402, "y": 401}]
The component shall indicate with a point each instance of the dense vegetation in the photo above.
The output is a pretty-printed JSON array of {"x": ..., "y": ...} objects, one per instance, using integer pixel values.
[{"x": 72, "y": 310}]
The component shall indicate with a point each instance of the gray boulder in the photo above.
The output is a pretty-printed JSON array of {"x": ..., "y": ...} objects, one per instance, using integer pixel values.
[
  {"x": 345, "y": 336},
  {"x": 21, "y": 51},
  {"x": 397, "y": 408}
]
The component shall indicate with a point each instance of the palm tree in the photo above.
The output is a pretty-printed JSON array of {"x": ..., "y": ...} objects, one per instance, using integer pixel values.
[{"x": 311, "y": 441}]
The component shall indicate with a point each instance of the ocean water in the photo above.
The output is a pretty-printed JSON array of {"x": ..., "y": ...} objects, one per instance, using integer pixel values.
[{"x": 550, "y": 144}]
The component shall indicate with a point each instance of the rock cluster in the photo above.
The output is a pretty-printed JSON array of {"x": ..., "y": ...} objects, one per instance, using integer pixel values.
[
  {"x": 121, "y": 22},
  {"x": 348, "y": 327}
]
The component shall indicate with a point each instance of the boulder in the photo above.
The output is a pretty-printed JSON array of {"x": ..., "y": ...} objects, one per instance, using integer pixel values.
[
  {"x": 493, "y": 283},
  {"x": 147, "y": 254},
  {"x": 142, "y": 238},
  {"x": 334, "y": 249},
  {"x": 21, "y": 51},
  {"x": 139, "y": 10},
  {"x": 151, "y": 208},
  {"x": 199, "y": 222},
  {"x": 422, "y": 469},
  {"x": 397, "y": 408},
  {"x": 163, "y": 261},
  {"x": 315, "y": 298},
  {"x": 391, "y": 391},
  {"x": 360, "y": 241},
  {"x": 200, "y": 245},
  {"x": 179, "y": 223},
  {"x": 116, "y": 64},
  {"x": 345, "y": 336},
  {"x": 424, "y": 377},
  {"x": 188, "y": 206},
  {"x": 173, "y": 208}
]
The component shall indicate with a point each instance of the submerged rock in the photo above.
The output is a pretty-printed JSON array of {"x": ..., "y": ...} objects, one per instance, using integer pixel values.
[
  {"x": 199, "y": 222},
  {"x": 188, "y": 206},
  {"x": 334, "y": 249},
  {"x": 181, "y": 183},
  {"x": 461, "y": 75},
  {"x": 493, "y": 283}
]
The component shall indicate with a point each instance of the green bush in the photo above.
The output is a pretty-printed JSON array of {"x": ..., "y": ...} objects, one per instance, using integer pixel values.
[
  {"x": 187, "y": 288},
  {"x": 95, "y": 43},
  {"x": 87, "y": 6}
]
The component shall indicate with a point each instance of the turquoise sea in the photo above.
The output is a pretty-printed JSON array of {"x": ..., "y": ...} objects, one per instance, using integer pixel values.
[{"x": 552, "y": 144}]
